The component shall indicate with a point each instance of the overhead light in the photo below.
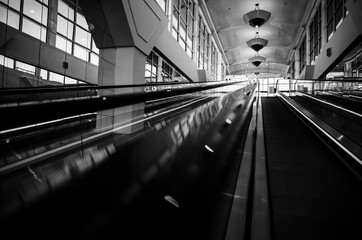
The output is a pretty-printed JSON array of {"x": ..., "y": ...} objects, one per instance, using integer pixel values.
[
  {"x": 257, "y": 43},
  {"x": 257, "y": 17},
  {"x": 257, "y": 60}
]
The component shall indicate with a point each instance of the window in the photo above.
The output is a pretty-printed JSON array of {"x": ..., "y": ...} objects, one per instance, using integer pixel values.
[
  {"x": 7, "y": 62},
  {"x": 29, "y": 16},
  {"x": 302, "y": 50},
  {"x": 73, "y": 35},
  {"x": 336, "y": 11},
  {"x": 202, "y": 45},
  {"x": 20, "y": 66},
  {"x": 63, "y": 44},
  {"x": 12, "y": 3},
  {"x": 315, "y": 35},
  {"x": 167, "y": 71},
  {"x": 36, "y": 11},
  {"x": 33, "y": 29},
  {"x": 151, "y": 68},
  {"x": 183, "y": 24},
  {"x": 9, "y": 17},
  {"x": 214, "y": 61},
  {"x": 162, "y": 4}
]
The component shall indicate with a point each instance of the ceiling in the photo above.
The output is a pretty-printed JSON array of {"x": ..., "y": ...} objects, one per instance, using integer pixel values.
[{"x": 281, "y": 31}]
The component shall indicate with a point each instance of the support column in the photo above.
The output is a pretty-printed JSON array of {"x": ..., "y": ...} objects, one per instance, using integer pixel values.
[
  {"x": 120, "y": 66},
  {"x": 52, "y": 22}
]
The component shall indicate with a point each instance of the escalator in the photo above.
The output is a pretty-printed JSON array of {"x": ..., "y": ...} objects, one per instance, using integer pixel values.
[{"x": 313, "y": 195}]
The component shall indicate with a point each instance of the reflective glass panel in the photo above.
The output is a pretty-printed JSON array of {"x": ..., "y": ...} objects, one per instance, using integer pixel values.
[
  {"x": 81, "y": 21},
  {"x": 80, "y": 52},
  {"x": 36, "y": 11},
  {"x": 34, "y": 29},
  {"x": 82, "y": 37},
  {"x": 56, "y": 77},
  {"x": 65, "y": 27},
  {"x": 94, "y": 59},
  {"x": 63, "y": 44},
  {"x": 65, "y": 10}
]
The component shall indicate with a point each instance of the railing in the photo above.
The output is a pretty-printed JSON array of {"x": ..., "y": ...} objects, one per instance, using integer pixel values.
[{"x": 318, "y": 86}]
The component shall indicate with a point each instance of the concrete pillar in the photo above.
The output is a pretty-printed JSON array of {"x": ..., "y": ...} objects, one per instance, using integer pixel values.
[
  {"x": 120, "y": 66},
  {"x": 52, "y": 22},
  {"x": 324, "y": 22}
]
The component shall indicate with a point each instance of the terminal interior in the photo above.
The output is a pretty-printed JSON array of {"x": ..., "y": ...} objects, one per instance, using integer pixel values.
[{"x": 181, "y": 119}]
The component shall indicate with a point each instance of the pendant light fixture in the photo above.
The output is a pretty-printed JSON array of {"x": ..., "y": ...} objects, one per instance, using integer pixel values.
[
  {"x": 257, "y": 43},
  {"x": 257, "y": 60},
  {"x": 257, "y": 17}
]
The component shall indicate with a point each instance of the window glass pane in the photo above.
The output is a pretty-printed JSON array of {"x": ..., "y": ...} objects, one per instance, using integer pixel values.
[
  {"x": 183, "y": 11},
  {"x": 182, "y": 43},
  {"x": 176, "y": 3},
  {"x": 31, "y": 28},
  {"x": 80, "y": 52},
  {"x": 9, "y": 17},
  {"x": 14, "y": 4},
  {"x": 13, "y": 19},
  {"x": 148, "y": 66},
  {"x": 44, "y": 74},
  {"x": 7, "y": 62},
  {"x": 182, "y": 29},
  {"x": 25, "y": 67},
  {"x": 69, "y": 80},
  {"x": 175, "y": 18},
  {"x": 35, "y": 11},
  {"x": 81, "y": 21},
  {"x": 94, "y": 47},
  {"x": 3, "y": 14},
  {"x": 174, "y": 33},
  {"x": 56, "y": 77},
  {"x": 65, "y": 27},
  {"x": 94, "y": 59},
  {"x": 162, "y": 4},
  {"x": 43, "y": 34},
  {"x": 63, "y": 8},
  {"x": 191, "y": 7},
  {"x": 63, "y": 44},
  {"x": 189, "y": 39},
  {"x": 82, "y": 37}
]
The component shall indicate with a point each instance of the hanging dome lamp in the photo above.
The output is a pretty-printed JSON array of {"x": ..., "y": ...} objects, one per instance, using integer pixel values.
[
  {"x": 257, "y": 17},
  {"x": 257, "y": 43},
  {"x": 257, "y": 60}
]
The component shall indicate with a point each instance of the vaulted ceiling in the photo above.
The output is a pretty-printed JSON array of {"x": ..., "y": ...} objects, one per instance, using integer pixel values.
[{"x": 280, "y": 30}]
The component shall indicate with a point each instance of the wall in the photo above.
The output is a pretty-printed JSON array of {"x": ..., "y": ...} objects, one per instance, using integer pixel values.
[{"x": 342, "y": 40}]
